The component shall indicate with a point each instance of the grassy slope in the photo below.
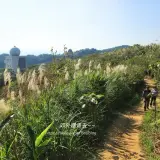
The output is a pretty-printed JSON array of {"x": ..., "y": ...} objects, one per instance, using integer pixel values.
[
  {"x": 150, "y": 131},
  {"x": 118, "y": 91},
  {"x": 76, "y": 90}
]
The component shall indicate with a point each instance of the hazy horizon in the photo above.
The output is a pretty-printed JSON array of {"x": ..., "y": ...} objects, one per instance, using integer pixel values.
[
  {"x": 37, "y": 52},
  {"x": 27, "y": 52}
]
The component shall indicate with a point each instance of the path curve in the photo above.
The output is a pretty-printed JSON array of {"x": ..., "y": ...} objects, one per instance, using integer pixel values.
[{"x": 123, "y": 140}]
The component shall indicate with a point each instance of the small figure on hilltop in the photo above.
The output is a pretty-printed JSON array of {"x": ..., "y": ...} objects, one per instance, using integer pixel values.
[
  {"x": 146, "y": 72},
  {"x": 154, "y": 92},
  {"x": 150, "y": 70},
  {"x": 146, "y": 96}
]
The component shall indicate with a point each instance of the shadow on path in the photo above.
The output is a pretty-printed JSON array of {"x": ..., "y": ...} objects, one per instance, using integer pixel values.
[{"x": 122, "y": 138}]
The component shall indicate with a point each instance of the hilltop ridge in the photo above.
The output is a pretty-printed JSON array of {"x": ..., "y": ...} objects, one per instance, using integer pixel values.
[{"x": 46, "y": 57}]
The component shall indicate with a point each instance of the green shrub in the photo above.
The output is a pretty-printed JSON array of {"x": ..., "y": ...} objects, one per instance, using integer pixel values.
[{"x": 85, "y": 101}]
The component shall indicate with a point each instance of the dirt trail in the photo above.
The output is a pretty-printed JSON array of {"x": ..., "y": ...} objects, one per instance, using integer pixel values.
[{"x": 122, "y": 142}]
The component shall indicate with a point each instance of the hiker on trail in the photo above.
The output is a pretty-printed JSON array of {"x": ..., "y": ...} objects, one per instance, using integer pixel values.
[
  {"x": 146, "y": 72},
  {"x": 149, "y": 70},
  {"x": 146, "y": 96},
  {"x": 154, "y": 92}
]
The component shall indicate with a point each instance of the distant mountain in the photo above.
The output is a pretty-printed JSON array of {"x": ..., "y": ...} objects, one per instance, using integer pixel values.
[
  {"x": 46, "y": 58},
  {"x": 88, "y": 51},
  {"x": 30, "y": 59},
  {"x": 115, "y": 48},
  {"x": 84, "y": 52}
]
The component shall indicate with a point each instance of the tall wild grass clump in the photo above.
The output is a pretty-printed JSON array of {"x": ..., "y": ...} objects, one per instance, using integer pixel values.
[{"x": 66, "y": 121}]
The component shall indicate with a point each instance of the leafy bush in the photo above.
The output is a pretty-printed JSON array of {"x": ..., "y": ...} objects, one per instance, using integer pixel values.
[{"x": 80, "y": 105}]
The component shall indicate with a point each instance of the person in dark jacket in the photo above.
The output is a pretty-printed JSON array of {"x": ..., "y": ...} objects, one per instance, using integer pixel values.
[
  {"x": 154, "y": 92},
  {"x": 146, "y": 72},
  {"x": 146, "y": 96}
]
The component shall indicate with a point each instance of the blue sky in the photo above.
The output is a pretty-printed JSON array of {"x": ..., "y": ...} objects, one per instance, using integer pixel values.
[{"x": 36, "y": 25}]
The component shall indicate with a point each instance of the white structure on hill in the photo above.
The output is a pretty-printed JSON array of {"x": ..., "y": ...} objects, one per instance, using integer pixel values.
[{"x": 14, "y": 60}]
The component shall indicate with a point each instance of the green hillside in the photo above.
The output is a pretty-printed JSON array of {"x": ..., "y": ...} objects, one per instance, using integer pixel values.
[
  {"x": 47, "y": 58},
  {"x": 62, "y": 109}
]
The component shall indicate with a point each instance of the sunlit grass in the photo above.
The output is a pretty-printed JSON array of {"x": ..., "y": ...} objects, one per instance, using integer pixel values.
[{"x": 84, "y": 91}]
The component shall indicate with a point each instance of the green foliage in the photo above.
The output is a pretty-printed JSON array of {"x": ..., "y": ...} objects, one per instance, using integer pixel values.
[
  {"x": 87, "y": 100},
  {"x": 150, "y": 135},
  {"x": 37, "y": 143},
  {"x": 13, "y": 85},
  {"x": 5, "y": 150}
]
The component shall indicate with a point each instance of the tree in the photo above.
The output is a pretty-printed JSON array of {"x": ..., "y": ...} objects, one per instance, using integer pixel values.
[{"x": 70, "y": 53}]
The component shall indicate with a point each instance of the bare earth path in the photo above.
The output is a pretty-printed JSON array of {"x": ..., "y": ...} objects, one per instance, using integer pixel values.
[{"x": 122, "y": 142}]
